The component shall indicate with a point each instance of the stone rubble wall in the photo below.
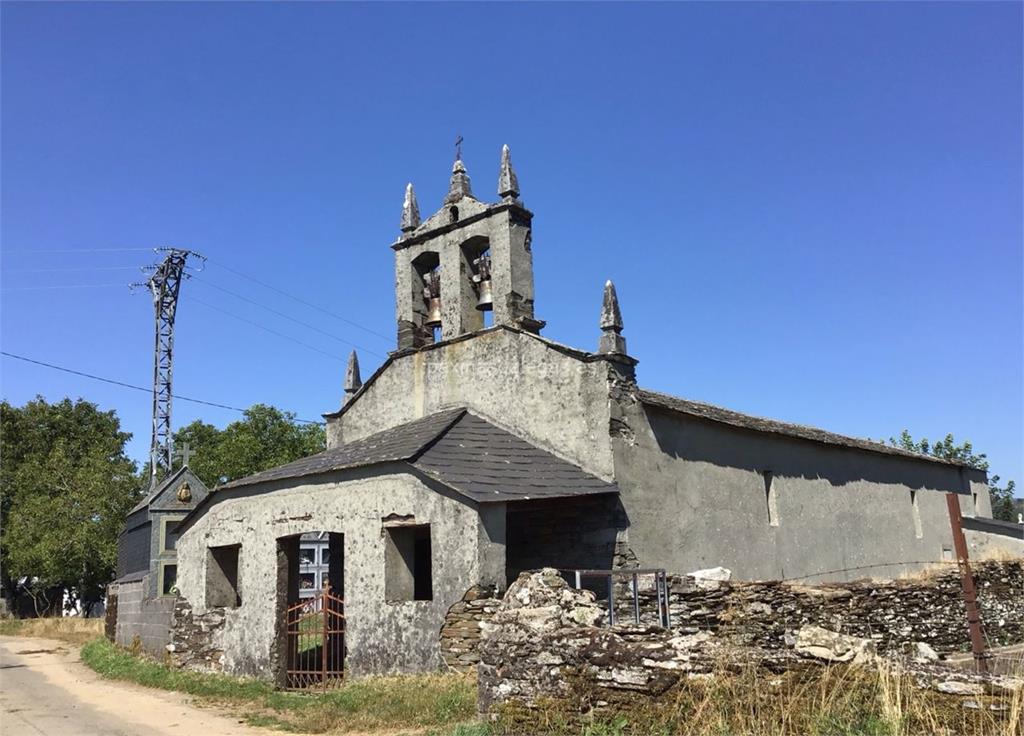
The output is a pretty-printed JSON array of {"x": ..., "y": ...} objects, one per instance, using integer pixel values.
[
  {"x": 195, "y": 642},
  {"x": 547, "y": 640},
  {"x": 461, "y": 632},
  {"x": 928, "y": 608}
]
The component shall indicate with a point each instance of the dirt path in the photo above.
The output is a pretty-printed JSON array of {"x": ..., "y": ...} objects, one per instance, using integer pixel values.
[{"x": 45, "y": 689}]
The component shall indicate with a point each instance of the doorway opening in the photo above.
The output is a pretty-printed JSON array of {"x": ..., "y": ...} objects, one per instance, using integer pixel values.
[{"x": 311, "y": 610}]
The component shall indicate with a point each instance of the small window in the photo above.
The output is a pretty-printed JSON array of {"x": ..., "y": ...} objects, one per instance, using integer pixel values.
[
  {"x": 408, "y": 574},
  {"x": 915, "y": 508},
  {"x": 222, "y": 576},
  {"x": 771, "y": 496},
  {"x": 307, "y": 556},
  {"x": 169, "y": 534},
  {"x": 325, "y": 556},
  {"x": 307, "y": 581},
  {"x": 168, "y": 579}
]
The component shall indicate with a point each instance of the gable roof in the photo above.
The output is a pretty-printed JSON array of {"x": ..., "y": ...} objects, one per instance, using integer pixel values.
[
  {"x": 169, "y": 484},
  {"x": 463, "y": 451},
  {"x": 745, "y": 421}
]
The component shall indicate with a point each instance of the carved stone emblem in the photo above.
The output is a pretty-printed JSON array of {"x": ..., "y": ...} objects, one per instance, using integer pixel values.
[{"x": 184, "y": 493}]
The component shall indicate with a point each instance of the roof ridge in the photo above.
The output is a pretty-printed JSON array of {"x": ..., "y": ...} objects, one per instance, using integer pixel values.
[
  {"x": 459, "y": 413},
  {"x": 777, "y": 426}
]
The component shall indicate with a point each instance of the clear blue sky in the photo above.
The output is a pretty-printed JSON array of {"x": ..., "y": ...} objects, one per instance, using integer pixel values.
[{"x": 812, "y": 212}]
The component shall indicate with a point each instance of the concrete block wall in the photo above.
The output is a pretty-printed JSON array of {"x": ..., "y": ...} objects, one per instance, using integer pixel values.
[{"x": 149, "y": 619}]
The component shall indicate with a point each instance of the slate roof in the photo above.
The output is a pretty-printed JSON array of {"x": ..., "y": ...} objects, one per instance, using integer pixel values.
[
  {"x": 461, "y": 450},
  {"x": 772, "y": 426},
  {"x": 166, "y": 483}
]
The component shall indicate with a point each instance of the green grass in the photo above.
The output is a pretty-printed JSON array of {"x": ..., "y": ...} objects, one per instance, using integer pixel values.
[{"x": 431, "y": 704}]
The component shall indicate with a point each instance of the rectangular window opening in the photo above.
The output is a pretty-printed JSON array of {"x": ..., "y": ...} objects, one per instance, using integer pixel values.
[
  {"x": 771, "y": 498},
  {"x": 222, "y": 576},
  {"x": 916, "y": 509},
  {"x": 169, "y": 534},
  {"x": 168, "y": 579},
  {"x": 408, "y": 574}
]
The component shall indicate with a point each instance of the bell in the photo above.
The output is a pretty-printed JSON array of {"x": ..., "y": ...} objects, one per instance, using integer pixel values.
[
  {"x": 433, "y": 312},
  {"x": 485, "y": 300}
]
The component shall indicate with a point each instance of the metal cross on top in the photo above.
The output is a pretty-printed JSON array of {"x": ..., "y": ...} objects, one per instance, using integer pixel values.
[
  {"x": 458, "y": 148},
  {"x": 185, "y": 454}
]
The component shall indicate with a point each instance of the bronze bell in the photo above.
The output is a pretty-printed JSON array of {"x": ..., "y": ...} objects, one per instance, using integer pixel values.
[
  {"x": 433, "y": 312},
  {"x": 485, "y": 300}
]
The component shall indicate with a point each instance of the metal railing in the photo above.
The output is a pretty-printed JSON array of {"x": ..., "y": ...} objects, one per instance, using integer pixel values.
[{"x": 660, "y": 584}]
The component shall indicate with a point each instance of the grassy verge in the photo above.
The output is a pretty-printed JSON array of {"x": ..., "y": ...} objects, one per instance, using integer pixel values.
[
  {"x": 420, "y": 704},
  {"x": 72, "y": 630}
]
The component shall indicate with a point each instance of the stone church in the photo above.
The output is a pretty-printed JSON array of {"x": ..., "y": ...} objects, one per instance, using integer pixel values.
[{"x": 480, "y": 449}]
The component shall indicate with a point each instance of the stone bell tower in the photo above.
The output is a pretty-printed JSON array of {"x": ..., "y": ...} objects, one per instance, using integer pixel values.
[{"x": 466, "y": 259}]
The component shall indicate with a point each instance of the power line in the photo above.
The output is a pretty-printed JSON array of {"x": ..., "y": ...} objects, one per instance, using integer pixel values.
[
  {"x": 285, "y": 316},
  {"x": 74, "y": 250},
  {"x": 266, "y": 329},
  {"x": 129, "y": 385},
  {"x": 61, "y": 286},
  {"x": 73, "y": 268},
  {"x": 300, "y": 300}
]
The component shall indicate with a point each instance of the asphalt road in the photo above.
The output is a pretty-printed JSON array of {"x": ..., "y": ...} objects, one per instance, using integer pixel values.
[{"x": 45, "y": 689}]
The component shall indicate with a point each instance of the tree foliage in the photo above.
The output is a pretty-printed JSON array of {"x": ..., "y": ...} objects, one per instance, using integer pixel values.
[
  {"x": 67, "y": 485},
  {"x": 948, "y": 449},
  {"x": 265, "y": 437}
]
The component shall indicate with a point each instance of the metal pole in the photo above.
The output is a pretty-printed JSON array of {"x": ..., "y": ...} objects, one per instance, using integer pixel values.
[
  {"x": 974, "y": 622},
  {"x": 578, "y": 584},
  {"x": 636, "y": 600},
  {"x": 611, "y": 601},
  {"x": 323, "y": 641}
]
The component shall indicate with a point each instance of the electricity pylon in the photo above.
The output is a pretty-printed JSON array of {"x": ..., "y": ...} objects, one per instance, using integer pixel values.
[{"x": 164, "y": 284}]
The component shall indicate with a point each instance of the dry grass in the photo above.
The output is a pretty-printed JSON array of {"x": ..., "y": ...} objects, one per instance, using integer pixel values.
[
  {"x": 71, "y": 630},
  {"x": 838, "y": 701}
]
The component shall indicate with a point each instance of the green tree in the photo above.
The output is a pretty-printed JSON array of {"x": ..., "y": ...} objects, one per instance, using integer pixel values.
[
  {"x": 948, "y": 449},
  {"x": 67, "y": 485},
  {"x": 264, "y": 438}
]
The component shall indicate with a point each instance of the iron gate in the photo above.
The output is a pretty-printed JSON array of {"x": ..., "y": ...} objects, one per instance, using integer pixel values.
[{"x": 315, "y": 642}]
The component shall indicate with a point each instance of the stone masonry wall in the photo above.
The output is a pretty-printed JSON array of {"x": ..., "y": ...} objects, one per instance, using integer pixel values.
[
  {"x": 461, "y": 632},
  {"x": 195, "y": 641},
  {"x": 767, "y": 615},
  {"x": 928, "y": 608},
  {"x": 547, "y": 641}
]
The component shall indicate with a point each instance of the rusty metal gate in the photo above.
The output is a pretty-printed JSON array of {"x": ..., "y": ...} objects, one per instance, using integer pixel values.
[{"x": 315, "y": 642}]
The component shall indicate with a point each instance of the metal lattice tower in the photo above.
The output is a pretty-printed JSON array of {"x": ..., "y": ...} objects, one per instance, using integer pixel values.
[{"x": 164, "y": 284}]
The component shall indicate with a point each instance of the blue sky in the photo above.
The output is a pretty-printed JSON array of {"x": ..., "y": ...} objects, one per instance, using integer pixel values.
[{"x": 811, "y": 212}]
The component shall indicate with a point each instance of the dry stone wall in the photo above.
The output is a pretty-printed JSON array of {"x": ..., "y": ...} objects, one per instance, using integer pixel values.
[
  {"x": 927, "y": 608},
  {"x": 461, "y": 632},
  {"x": 547, "y": 640},
  {"x": 194, "y": 642}
]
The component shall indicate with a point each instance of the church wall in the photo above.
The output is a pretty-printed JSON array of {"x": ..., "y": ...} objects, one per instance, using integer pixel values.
[
  {"x": 381, "y": 636},
  {"x": 553, "y": 399},
  {"x": 696, "y": 495}
]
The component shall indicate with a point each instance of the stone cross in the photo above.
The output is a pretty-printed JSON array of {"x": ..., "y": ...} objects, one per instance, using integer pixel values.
[{"x": 185, "y": 454}]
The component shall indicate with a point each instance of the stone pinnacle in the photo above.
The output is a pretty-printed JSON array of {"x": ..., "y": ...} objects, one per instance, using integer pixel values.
[
  {"x": 352, "y": 380},
  {"x": 612, "y": 342},
  {"x": 410, "y": 210},
  {"x": 508, "y": 183},
  {"x": 459, "y": 185}
]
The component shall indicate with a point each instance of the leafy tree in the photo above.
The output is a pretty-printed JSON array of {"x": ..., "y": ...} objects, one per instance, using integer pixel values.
[
  {"x": 947, "y": 448},
  {"x": 67, "y": 485},
  {"x": 265, "y": 437}
]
